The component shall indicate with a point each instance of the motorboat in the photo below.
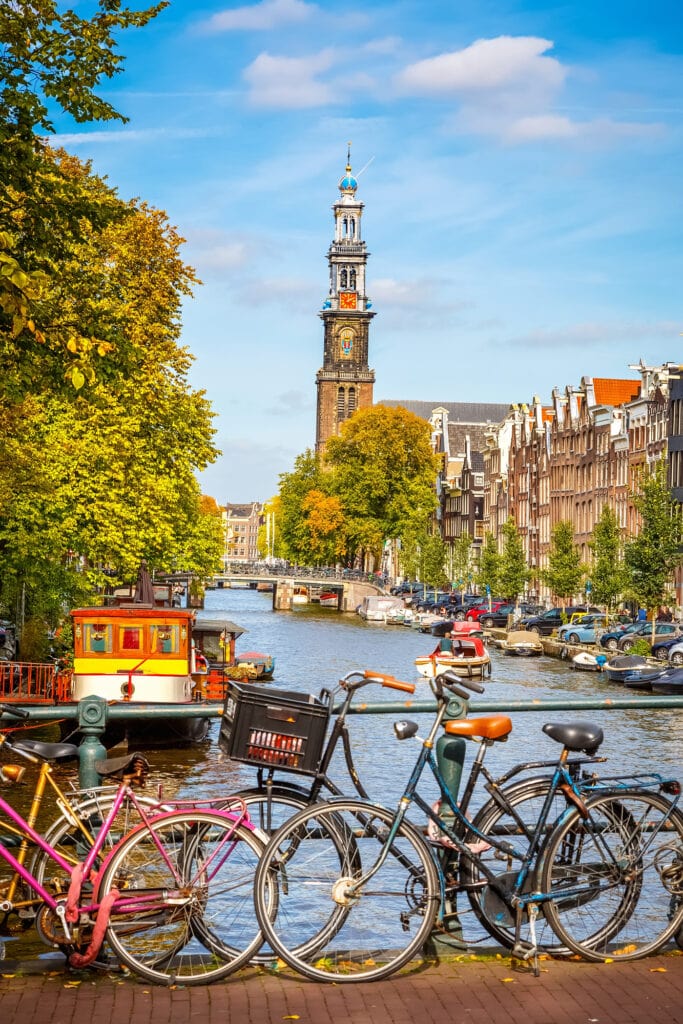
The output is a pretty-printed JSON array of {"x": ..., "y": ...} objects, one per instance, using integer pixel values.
[
  {"x": 522, "y": 642},
  {"x": 669, "y": 682},
  {"x": 619, "y": 666},
  {"x": 468, "y": 657},
  {"x": 375, "y": 607},
  {"x": 584, "y": 661}
]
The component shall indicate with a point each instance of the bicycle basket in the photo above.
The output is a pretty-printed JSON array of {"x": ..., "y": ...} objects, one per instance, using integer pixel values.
[{"x": 273, "y": 728}]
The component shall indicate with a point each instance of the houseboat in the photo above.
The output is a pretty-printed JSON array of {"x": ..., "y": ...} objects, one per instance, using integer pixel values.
[{"x": 140, "y": 655}]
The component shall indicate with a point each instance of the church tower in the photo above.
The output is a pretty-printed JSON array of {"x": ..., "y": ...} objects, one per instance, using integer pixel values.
[{"x": 345, "y": 381}]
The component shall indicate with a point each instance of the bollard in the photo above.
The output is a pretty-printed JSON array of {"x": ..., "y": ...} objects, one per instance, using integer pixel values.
[{"x": 93, "y": 713}]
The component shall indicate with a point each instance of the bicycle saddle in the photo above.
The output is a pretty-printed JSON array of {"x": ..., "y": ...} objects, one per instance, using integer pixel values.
[
  {"x": 576, "y": 736},
  {"x": 492, "y": 727},
  {"x": 46, "y": 751}
]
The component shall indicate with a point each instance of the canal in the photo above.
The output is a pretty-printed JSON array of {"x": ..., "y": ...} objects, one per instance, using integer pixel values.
[{"x": 314, "y": 647}]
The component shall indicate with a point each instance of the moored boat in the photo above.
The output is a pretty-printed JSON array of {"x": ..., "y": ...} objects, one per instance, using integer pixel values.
[
  {"x": 522, "y": 643},
  {"x": 329, "y": 599},
  {"x": 375, "y": 607},
  {"x": 670, "y": 682},
  {"x": 587, "y": 662},
  {"x": 617, "y": 667},
  {"x": 468, "y": 657}
]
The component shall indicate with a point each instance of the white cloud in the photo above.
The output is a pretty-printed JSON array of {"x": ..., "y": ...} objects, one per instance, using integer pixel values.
[
  {"x": 542, "y": 126},
  {"x": 265, "y": 15},
  {"x": 588, "y": 335},
  {"x": 125, "y": 136},
  {"x": 290, "y": 82},
  {"x": 488, "y": 64}
]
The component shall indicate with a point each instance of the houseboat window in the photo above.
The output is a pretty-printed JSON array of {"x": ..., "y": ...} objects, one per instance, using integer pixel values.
[
  {"x": 98, "y": 638},
  {"x": 164, "y": 639},
  {"x": 131, "y": 638}
]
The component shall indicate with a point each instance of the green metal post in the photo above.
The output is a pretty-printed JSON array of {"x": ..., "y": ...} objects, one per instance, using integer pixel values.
[{"x": 93, "y": 713}]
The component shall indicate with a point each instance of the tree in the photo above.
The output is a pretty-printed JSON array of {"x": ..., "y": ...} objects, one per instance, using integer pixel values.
[
  {"x": 325, "y": 525},
  {"x": 383, "y": 471},
  {"x": 307, "y": 476},
  {"x": 489, "y": 565},
  {"x": 565, "y": 571},
  {"x": 460, "y": 563},
  {"x": 652, "y": 556},
  {"x": 513, "y": 573},
  {"x": 109, "y": 476},
  {"x": 609, "y": 575},
  {"x": 50, "y": 59}
]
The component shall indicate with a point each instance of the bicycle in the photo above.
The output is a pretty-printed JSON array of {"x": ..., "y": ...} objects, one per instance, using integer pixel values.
[
  {"x": 173, "y": 897},
  {"x": 359, "y": 888}
]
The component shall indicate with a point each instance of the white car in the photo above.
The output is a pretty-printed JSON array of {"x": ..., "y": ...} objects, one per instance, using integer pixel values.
[{"x": 676, "y": 654}]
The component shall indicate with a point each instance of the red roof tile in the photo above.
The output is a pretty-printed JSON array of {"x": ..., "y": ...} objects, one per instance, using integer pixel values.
[{"x": 615, "y": 392}]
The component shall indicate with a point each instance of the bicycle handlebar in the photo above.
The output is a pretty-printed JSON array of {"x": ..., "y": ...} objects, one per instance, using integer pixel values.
[
  {"x": 9, "y": 709},
  {"x": 387, "y": 680},
  {"x": 452, "y": 679}
]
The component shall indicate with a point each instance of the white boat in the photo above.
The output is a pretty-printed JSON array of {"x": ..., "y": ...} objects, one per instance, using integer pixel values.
[
  {"x": 587, "y": 662},
  {"x": 376, "y": 607},
  {"x": 300, "y": 595},
  {"x": 468, "y": 658},
  {"x": 329, "y": 599},
  {"x": 523, "y": 643}
]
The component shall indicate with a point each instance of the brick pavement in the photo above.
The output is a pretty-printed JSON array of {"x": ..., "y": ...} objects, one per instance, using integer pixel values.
[{"x": 456, "y": 991}]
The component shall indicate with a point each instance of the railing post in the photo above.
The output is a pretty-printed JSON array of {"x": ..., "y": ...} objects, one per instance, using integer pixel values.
[{"x": 93, "y": 713}]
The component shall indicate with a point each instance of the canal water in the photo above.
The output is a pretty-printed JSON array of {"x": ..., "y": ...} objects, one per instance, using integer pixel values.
[{"x": 314, "y": 647}]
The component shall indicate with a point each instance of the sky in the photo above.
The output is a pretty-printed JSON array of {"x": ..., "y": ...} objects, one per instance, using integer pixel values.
[{"x": 521, "y": 166}]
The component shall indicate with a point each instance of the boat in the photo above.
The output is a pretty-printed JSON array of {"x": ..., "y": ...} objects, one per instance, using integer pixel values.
[
  {"x": 300, "y": 595},
  {"x": 139, "y": 656},
  {"x": 670, "y": 682},
  {"x": 215, "y": 640},
  {"x": 466, "y": 627},
  {"x": 374, "y": 607},
  {"x": 329, "y": 599},
  {"x": 468, "y": 658},
  {"x": 396, "y": 616},
  {"x": 523, "y": 643},
  {"x": 617, "y": 667},
  {"x": 645, "y": 678},
  {"x": 587, "y": 662}
]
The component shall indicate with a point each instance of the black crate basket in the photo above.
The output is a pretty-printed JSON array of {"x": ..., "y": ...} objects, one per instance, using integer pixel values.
[{"x": 274, "y": 728}]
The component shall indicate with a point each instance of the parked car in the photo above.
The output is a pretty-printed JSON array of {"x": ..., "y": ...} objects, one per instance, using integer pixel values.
[
  {"x": 475, "y": 613},
  {"x": 662, "y": 629},
  {"x": 610, "y": 639},
  {"x": 662, "y": 649},
  {"x": 675, "y": 652},
  {"x": 497, "y": 617},
  {"x": 583, "y": 630}
]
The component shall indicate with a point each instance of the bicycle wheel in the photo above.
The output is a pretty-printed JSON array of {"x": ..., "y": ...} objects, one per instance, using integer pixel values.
[
  {"x": 268, "y": 813},
  {"x": 511, "y": 816},
  {"x": 612, "y": 876},
  {"x": 185, "y": 912},
  {"x": 321, "y": 925}
]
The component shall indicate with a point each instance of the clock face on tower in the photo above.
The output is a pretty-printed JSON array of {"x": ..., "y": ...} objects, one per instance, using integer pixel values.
[
  {"x": 347, "y": 300},
  {"x": 346, "y": 338}
]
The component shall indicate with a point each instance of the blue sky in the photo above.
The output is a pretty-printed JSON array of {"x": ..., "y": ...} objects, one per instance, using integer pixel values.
[{"x": 523, "y": 174}]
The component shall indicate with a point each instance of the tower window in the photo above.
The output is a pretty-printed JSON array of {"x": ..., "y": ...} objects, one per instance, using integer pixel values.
[
  {"x": 340, "y": 405},
  {"x": 352, "y": 227},
  {"x": 343, "y": 278},
  {"x": 352, "y": 401},
  {"x": 352, "y": 279}
]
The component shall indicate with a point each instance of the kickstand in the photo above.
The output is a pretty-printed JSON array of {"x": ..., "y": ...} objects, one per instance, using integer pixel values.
[{"x": 519, "y": 950}]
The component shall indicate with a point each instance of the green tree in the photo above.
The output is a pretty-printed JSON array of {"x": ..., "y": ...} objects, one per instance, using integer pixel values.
[
  {"x": 383, "y": 471},
  {"x": 307, "y": 476},
  {"x": 652, "y": 556},
  {"x": 513, "y": 573},
  {"x": 489, "y": 565},
  {"x": 565, "y": 571},
  {"x": 460, "y": 561},
  {"x": 50, "y": 59},
  {"x": 609, "y": 575}
]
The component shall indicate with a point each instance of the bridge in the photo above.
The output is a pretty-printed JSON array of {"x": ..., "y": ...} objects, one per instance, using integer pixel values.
[{"x": 301, "y": 588}]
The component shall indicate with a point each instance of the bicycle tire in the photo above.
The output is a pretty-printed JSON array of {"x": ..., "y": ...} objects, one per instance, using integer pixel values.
[
  {"x": 360, "y": 940},
  {"x": 518, "y": 822},
  {"x": 202, "y": 926},
  {"x": 607, "y": 876}
]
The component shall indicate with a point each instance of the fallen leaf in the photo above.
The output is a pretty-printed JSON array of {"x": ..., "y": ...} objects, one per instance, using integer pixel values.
[
  {"x": 507, "y": 979},
  {"x": 291, "y": 1016},
  {"x": 658, "y": 970}
]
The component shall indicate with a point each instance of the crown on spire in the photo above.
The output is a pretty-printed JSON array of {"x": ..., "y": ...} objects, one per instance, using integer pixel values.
[{"x": 348, "y": 184}]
